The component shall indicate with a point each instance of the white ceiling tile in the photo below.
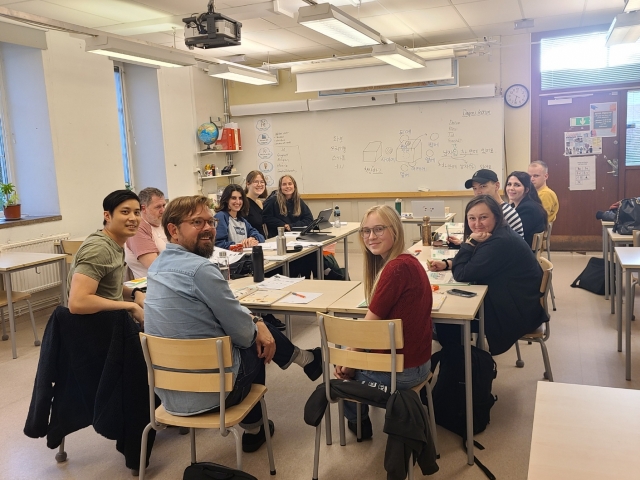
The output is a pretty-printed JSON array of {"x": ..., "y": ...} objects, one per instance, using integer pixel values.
[
  {"x": 365, "y": 10},
  {"x": 604, "y": 17},
  {"x": 176, "y": 7},
  {"x": 617, "y": 5},
  {"x": 548, "y": 8},
  {"x": 314, "y": 53},
  {"x": 282, "y": 21},
  {"x": 388, "y": 25},
  {"x": 63, "y": 14},
  {"x": 497, "y": 29},
  {"x": 432, "y": 19},
  {"x": 159, "y": 37},
  {"x": 490, "y": 12},
  {"x": 409, "y": 41},
  {"x": 234, "y": 3},
  {"x": 394, "y": 6},
  {"x": 257, "y": 25},
  {"x": 459, "y": 2},
  {"x": 121, "y": 10},
  {"x": 280, "y": 39},
  {"x": 557, "y": 22},
  {"x": 449, "y": 36}
]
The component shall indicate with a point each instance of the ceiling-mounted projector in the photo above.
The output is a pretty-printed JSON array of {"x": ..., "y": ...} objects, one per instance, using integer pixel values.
[{"x": 211, "y": 30}]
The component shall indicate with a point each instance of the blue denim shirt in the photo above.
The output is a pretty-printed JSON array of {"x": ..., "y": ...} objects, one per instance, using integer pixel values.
[{"x": 187, "y": 297}]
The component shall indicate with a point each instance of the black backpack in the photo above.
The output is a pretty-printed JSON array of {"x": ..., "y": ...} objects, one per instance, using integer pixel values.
[
  {"x": 213, "y": 471},
  {"x": 628, "y": 217},
  {"x": 592, "y": 277},
  {"x": 449, "y": 401}
]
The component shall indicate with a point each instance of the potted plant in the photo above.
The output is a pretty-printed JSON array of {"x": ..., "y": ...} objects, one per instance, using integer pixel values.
[{"x": 10, "y": 201}]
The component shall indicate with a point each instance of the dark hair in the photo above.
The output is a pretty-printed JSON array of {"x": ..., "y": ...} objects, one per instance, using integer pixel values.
[
  {"x": 226, "y": 196},
  {"x": 490, "y": 202},
  {"x": 146, "y": 194},
  {"x": 111, "y": 201},
  {"x": 180, "y": 208},
  {"x": 525, "y": 180},
  {"x": 251, "y": 176}
]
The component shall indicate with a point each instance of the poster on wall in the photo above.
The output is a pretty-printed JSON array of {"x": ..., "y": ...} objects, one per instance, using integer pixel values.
[
  {"x": 604, "y": 119},
  {"x": 581, "y": 143},
  {"x": 582, "y": 173}
]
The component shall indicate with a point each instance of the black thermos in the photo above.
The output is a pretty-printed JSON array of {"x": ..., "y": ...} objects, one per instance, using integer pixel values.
[{"x": 257, "y": 259}]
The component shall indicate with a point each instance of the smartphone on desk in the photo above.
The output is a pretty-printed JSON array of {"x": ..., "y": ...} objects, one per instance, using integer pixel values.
[{"x": 462, "y": 293}]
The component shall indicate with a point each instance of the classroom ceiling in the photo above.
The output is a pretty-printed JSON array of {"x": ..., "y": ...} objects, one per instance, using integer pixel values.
[{"x": 269, "y": 36}]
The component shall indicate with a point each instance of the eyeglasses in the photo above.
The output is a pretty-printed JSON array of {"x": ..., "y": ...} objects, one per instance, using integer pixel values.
[
  {"x": 198, "y": 223},
  {"x": 378, "y": 230},
  {"x": 258, "y": 182}
]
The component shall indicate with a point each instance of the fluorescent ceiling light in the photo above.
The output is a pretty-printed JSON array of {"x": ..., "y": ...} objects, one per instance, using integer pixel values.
[
  {"x": 632, "y": 6},
  {"x": 242, "y": 74},
  {"x": 328, "y": 20},
  {"x": 625, "y": 28},
  {"x": 138, "y": 52},
  {"x": 397, "y": 56}
]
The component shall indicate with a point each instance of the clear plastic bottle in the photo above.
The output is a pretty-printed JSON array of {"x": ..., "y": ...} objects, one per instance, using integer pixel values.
[
  {"x": 223, "y": 265},
  {"x": 336, "y": 217}
]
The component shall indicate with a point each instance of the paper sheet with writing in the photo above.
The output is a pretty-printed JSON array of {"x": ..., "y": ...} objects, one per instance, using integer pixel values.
[
  {"x": 300, "y": 297},
  {"x": 278, "y": 282},
  {"x": 582, "y": 173},
  {"x": 232, "y": 256},
  {"x": 263, "y": 297}
]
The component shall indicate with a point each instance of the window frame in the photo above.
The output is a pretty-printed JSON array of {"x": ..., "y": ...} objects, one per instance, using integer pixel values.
[
  {"x": 6, "y": 167},
  {"x": 128, "y": 129}
]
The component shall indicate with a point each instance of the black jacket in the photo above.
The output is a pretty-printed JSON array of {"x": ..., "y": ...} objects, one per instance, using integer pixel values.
[
  {"x": 254, "y": 217},
  {"x": 91, "y": 372},
  {"x": 533, "y": 216},
  {"x": 506, "y": 264},
  {"x": 274, "y": 219}
]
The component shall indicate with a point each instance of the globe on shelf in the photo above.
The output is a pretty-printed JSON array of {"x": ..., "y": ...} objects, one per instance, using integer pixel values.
[{"x": 208, "y": 134}]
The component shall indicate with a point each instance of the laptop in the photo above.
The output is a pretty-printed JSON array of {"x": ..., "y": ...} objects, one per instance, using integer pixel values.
[
  {"x": 433, "y": 209},
  {"x": 322, "y": 221}
]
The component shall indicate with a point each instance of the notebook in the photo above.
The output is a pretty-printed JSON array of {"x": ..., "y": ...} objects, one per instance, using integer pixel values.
[{"x": 438, "y": 300}]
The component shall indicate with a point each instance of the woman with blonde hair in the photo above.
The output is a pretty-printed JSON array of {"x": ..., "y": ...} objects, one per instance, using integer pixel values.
[
  {"x": 256, "y": 192},
  {"x": 286, "y": 208},
  {"x": 395, "y": 286}
]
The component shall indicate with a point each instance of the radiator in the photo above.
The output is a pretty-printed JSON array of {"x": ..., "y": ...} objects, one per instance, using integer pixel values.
[{"x": 41, "y": 278}]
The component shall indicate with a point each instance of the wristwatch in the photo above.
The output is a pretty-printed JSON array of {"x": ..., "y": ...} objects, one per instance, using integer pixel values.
[
  {"x": 257, "y": 319},
  {"x": 472, "y": 242},
  {"x": 133, "y": 293}
]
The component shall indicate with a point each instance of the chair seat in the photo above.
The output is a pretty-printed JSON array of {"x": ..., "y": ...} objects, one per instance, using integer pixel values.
[
  {"x": 233, "y": 415},
  {"x": 537, "y": 333},
  {"x": 15, "y": 297}
]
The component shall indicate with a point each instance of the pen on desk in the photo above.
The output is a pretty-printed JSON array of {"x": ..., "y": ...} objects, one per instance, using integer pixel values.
[
  {"x": 298, "y": 295},
  {"x": 417, "y": 252},
  {"x": 446, "y": 228}
]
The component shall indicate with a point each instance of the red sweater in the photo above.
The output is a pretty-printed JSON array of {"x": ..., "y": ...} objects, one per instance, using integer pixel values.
[{"x": 404, "y": 291}]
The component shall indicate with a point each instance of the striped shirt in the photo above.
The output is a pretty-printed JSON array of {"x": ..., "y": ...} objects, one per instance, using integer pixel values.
[{"x": 512, "y": 218}]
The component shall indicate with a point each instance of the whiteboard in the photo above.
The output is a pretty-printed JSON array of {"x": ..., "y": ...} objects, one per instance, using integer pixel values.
[{"x": 407, "y": 147}]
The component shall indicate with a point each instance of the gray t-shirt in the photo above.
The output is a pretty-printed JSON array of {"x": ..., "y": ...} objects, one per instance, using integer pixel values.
[{"x": 237, "y": 230}]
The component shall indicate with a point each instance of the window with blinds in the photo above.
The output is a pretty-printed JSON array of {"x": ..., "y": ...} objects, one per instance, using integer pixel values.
[
  {"x": 633, "y": 129},
  {"x": 584, "y": 60}
]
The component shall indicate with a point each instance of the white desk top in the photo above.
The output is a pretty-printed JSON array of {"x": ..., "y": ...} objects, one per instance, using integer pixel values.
[
  {"x": 629, "y": 257},
  {"x": 607, "y": 224},
  {"x": 584, "y": 432},
  {"x": 617, "y": 238},
  {"x": 447, "y": 218},
  {"x": 17, "y": 260}
]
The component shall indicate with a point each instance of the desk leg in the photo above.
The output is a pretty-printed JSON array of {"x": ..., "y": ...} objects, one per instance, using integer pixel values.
[
  {"x": 287, "y": 322},
  {"x": 346, "y": 259},
  {"x": 628, "y": 315},
  {"x": 285, "y": 269},
  {"x": 468, "y": 390},
  {"x": 63, "y": 283},
  {"x": 320, "y": 264},
  {"x": 12, "y": 322},
  {"x": 612, "y": 264},
  {"x": 480, "y": 342},
  {"x": 618, "y": 288},
  {"x": 605, "y": 255}
]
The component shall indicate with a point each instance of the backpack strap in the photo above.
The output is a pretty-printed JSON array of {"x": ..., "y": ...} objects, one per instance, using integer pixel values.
[{"x": 480, "y": 465}]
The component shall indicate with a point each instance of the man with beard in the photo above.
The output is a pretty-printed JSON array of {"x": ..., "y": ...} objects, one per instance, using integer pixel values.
[{"x": 187, "y": 297}]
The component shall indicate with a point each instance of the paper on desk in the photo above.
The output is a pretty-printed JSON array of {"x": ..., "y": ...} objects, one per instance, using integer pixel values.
[
  {"x": 440, "y": 253},
  {"x": 363, "y": 304},
  {"x": 300, "y": 298},
  {"x": 304, "y": 243},
  {"x": 278, "y": 282},
  {"x": 269, "y": 246},
  {"x": 438, "y": 300},
  {"x": 137, "y": 283},
  {"x": 291, "y": 234},
  {"x": 441, "y": 278},
  {"x": 232, "y": 256},
  {"x": 275, "y": 258}
]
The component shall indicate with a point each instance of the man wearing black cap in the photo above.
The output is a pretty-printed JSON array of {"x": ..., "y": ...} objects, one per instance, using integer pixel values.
[{"x": 485, "y": 182}]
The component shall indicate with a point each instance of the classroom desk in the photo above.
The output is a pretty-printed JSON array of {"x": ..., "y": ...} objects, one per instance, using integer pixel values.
[
  {"x": 12, "y": 262},
  {"x": 582, "y": 432},
  {"x": 627, "y": 260},
  {"x": 455, "y": 310},
  {"x": 614, "y": 240},
  {"x": 605, "y": 255},
  {"x": 435, "y": 222}
]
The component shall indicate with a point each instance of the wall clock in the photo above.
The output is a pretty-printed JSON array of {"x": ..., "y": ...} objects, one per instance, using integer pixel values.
[{"x": 516, "y": 96}]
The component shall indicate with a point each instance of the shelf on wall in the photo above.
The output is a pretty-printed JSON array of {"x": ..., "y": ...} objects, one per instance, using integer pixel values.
[
  {"x": 222, "y": 176},
  {"x": 202, "y": 152}
]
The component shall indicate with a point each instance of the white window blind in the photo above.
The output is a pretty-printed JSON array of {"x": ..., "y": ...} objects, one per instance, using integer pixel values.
[
  {"x": 633, "y": 129},
  {"x": 584, "y": 60}
]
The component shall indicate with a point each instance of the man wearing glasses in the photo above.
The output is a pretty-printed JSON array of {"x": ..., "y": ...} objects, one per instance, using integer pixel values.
[{"x": 187, "y": 297}]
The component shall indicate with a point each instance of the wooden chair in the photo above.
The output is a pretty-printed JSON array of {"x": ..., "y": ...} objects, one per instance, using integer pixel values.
[
  {"x": 339, "y": 332},
  {"x": 542, "y": 333},
  {"x": 70, "y": 247},
  {"x": 15, "y": 298},
  {"x": 178, "y": 365},
  {"x": 539, "y": 243}
]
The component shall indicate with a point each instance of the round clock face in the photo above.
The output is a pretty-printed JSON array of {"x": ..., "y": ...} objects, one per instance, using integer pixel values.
[{"x": 516, "y": 95}]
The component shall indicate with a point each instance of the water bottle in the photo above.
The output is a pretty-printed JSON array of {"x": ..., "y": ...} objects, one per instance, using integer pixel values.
[
  {"x": 399, "y": 207},
  {"x": 257, "y": 260},
  {"x": 281, "y": 242},
  {"x": 426, "y": 231},
  {"x": 336, "y": 217},
  {"x": 223, "y": 265}
]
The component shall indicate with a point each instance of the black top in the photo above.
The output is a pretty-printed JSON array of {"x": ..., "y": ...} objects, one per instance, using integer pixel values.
[
  {"x": 274, "y": 219},
  {"x": 506, "y": 264},
  {"x": 533, "y": 216},
  {"x": 254, "y": 217}
]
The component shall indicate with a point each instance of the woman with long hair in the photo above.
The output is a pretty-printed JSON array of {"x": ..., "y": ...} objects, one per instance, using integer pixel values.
[
  {"x": 395, "y": 286},
  {"x": 256, "y": 192},
  {"x": 286, "y": 208},
  {"x": 494, "y": 255},
  {"x": 524, "y": 198},
  {"x": 233, "y": 229}
]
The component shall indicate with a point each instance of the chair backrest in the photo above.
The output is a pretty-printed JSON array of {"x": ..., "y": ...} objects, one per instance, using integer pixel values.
[
  {"x": 339, "y": 332},
  {"x": 545, "y": 285},
  {"x": 537, "y": 244},
  {"x": 636, "y": 238},
  {"x": 70, "y": 247}
]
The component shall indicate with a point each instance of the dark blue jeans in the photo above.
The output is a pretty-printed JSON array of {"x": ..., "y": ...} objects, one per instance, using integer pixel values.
[{"x": 252, "y": 370}]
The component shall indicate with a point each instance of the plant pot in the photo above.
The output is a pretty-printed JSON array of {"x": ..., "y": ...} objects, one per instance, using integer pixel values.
[{"x": 12, "y": 212}]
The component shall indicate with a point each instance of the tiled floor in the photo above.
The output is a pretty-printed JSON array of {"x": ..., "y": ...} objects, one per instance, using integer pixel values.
[{"x": 582, "y": 350}]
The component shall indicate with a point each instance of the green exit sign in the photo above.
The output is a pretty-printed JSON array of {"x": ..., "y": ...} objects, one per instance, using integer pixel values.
[{"x": 579, "y": 121}]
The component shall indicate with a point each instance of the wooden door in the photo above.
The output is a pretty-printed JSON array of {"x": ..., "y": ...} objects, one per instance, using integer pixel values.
[{"x": 576, "y": 227}]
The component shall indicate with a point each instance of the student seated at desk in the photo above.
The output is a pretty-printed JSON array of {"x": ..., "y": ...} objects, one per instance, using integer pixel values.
[
  {"x": 524, "y": 198},
  {"x": 256, "y": 192},
  {"x": 494, "y": 255},
  {"x": 396, "y": 286},
  {"x": 233, "y": 229},
  {"x": 285, "y": 208}
]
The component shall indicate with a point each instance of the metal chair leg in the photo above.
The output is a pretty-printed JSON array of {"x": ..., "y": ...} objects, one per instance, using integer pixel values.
[
  {"x": 410, "y": 468},
  {"x": 343, "y": 441},
  {"x": 238, "y": 439},
  {"x": 267, "y": 434},
  {"x": 36, "y": 341},
  {"x": 553, "y": 296},
  {"x": 519, "y": 362},
  {"x": 327, "y": 418},
  {"x": 432, "y": 418},
  {"x": 192, "y": 432},
  {"x": 316, "y": 455},
  {"x": 547, "y": 363},
  {"x": 61, "y": 456},
  {"x": 359, "y": 422},
  {"x": 143, "y": 452}
]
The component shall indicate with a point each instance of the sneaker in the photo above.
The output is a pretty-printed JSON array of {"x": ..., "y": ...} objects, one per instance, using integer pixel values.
[
  {"x": 253, "y": 441},
  {"x": 314, "y": 369},
  {"x": 274, "y": 322},
  {"x": 367, "y": 429}
]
